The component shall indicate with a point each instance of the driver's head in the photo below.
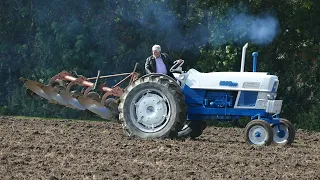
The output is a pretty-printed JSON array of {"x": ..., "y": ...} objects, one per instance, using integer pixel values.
[{"x": 156, "y": 50}]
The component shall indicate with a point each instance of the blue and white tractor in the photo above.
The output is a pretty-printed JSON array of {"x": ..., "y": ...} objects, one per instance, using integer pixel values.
[{"x": 158, "y": 106}]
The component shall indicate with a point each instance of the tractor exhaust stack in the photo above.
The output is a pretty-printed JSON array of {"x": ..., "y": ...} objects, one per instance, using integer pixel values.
[{"x": 243, "y": 57}]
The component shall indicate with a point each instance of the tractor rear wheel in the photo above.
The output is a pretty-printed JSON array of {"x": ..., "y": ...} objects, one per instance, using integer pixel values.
[
  {"x": 192, "y": 129},
  {"x": 152, "y": 107}
]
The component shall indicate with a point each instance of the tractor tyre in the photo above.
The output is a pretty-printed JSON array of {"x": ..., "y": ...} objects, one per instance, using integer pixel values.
[
  {"x": 258, "y": 132},
  {"x": 192, "y": 129},
  {"x": 286, "y": 135},
  {"x": 153, "y": 107}
]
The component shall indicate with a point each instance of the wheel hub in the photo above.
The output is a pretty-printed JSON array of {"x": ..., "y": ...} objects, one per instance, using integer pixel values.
[
  {"x": 151, "y": 112},
  {"x": 281, "y": 133},
  {"x": 150, "y": 109},
  {"x": 257, "y": 134}
]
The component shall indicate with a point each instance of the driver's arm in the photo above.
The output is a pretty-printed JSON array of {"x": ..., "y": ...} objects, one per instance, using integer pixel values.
[{"x": 147, "y": 66}]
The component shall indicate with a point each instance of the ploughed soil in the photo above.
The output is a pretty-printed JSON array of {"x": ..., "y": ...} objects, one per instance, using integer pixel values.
[{"x": 64, "y": 149}]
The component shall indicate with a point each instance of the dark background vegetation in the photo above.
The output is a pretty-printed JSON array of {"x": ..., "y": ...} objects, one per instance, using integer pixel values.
[{"x": 39, "y": 38}]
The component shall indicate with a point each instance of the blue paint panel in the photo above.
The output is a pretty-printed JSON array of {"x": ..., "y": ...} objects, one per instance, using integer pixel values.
[
  {"x": 193, "y": 96},
  {"x": 228, "y": 83},
  {"x": 210, "y": 104},
  {"x": 208, "y": 98},
  {"x": 254, "y": 66},
  {"x": 226, "y": 111},
  {"x": 218, "y": 99},
  {"x": 248, "y": 98},
  {"x": 202, "y": 113},
  {"x": 196, "y": 117}
]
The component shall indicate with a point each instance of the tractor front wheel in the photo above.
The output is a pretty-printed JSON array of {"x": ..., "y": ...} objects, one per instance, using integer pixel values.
[
  {"x": 283, "y": 133},
  {"x": 258, "y": 132}
]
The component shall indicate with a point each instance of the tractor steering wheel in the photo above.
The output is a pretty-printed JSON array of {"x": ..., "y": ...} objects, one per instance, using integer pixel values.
[{"x": 176, "y": 68}]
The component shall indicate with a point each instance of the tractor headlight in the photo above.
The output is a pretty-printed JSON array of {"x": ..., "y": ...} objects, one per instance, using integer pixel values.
[
  {"x": 272, "y": 96},
  {"x": 275, "y": 87}
]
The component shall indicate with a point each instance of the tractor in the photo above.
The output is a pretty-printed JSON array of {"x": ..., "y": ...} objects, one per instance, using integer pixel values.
[{"x": 159, "y": 106}]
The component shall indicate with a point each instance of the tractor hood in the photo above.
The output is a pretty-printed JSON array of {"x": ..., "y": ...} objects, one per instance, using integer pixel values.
[{"x": 237, "y": 81}]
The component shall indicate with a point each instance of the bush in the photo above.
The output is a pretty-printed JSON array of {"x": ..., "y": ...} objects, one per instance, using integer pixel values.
[{"x": 4, "y": 110}]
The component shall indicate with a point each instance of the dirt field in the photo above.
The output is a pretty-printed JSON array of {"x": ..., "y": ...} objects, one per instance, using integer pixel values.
[{"x": 53, "y": 149}]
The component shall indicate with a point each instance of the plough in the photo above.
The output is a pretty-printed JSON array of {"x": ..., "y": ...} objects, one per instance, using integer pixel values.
[{"x": 101, "y": 101}]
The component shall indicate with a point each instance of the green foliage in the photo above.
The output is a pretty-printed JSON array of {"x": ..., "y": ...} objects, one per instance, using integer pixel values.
[
  {"x": 4, "y": 110},
  {"x": 39, "y": 39},
  {"x": 309, "y": 120},
  {"x": 223, "y": 58}
]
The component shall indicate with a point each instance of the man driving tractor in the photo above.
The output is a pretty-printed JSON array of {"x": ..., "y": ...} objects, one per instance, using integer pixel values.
[{"x": 159, "y": 62}]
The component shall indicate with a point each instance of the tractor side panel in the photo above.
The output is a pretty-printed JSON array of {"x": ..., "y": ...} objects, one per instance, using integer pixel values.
[{"x": 227, "y": 105}]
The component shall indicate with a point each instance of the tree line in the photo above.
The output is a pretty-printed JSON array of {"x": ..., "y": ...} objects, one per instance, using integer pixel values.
[{"x": 38, "y": 39}]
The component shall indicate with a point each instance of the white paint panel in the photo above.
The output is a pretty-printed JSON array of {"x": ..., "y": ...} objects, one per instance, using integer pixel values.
[{"x": 246, "y": 81}]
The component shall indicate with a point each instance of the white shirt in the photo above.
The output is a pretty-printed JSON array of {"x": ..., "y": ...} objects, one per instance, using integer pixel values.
[{"x": 161, "y": 67}]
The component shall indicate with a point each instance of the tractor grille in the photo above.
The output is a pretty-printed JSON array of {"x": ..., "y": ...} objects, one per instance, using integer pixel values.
[{"x": 248, "y": 98}]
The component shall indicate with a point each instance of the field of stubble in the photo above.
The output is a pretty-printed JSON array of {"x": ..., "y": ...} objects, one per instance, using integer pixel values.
[{"x": 64, "y": 149}]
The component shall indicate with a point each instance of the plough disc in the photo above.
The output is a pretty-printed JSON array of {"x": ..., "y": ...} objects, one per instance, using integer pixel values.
[
  {"x": 60, "y": 96},
  {"x": 36, "y": 87},
  {"x": 68, "y": 96},
  {"x": 58, "y": 92},
  {"x": 95, "y": 107},
  {"x": 54, "y": 94}
]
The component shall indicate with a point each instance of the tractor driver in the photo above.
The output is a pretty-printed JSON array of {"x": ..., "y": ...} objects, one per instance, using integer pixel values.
[{"x": 159, "y": 62}]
